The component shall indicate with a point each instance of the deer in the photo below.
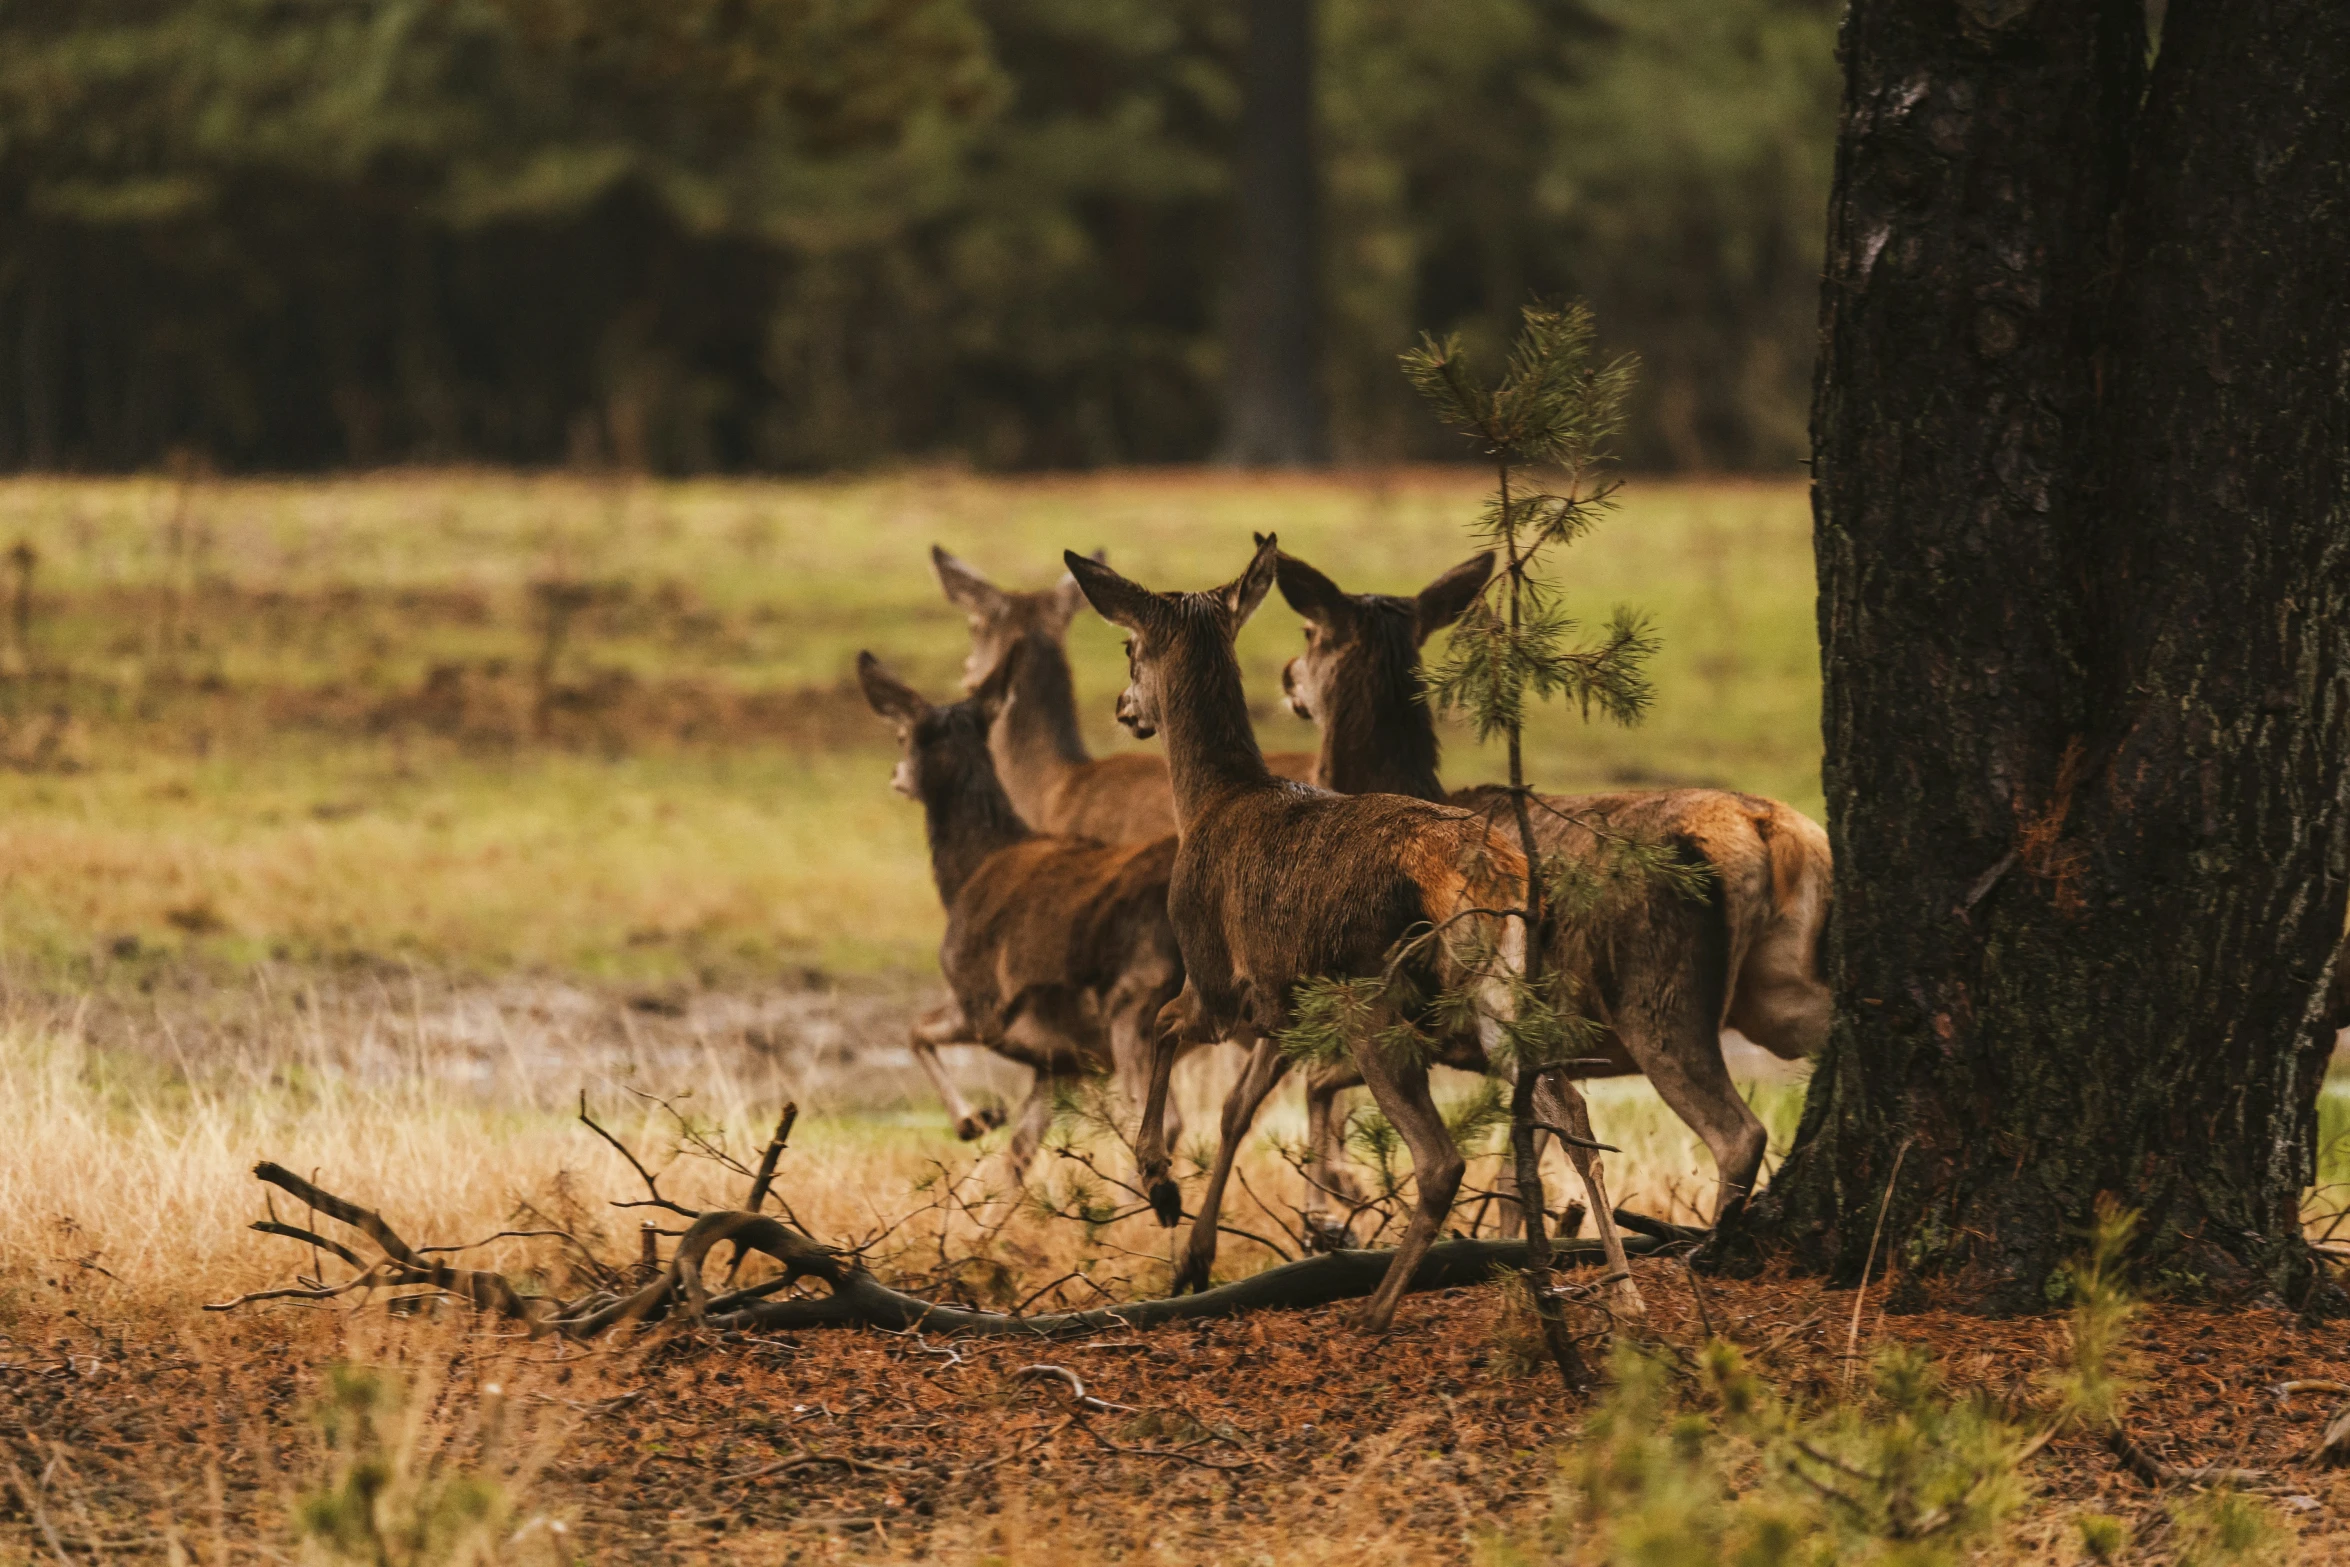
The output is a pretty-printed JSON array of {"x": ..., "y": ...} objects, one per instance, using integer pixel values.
[
  {"x": 1671, "y": 981},
  {"x": 1277, "y": 883},
  {"x": 1654, "y": 970},
  {"x": 1054, "y": 782},
  {"x": 1058, "y": 951}
]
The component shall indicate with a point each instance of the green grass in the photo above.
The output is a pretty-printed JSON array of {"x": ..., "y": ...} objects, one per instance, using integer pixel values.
[{"x": 213, "y": 762}]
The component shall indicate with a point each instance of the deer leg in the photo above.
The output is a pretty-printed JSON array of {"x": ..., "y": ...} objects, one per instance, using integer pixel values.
[
  {"x": 945, "y": 1025},
  {"x": 1666, "y": 1021},
  {"x": 1690, "y": 1077},
  {"x": 1402, "y": 1092},
  {"x": 1328, "y": 1180},
  {"x": 1266, "y": 1064},
  {"x": 1036, "y": 1119},
  {"x": 1559, "y": 1102},
  {"x": 1134, "y": 1057},
  {"x": 1175, "y": 1022}
]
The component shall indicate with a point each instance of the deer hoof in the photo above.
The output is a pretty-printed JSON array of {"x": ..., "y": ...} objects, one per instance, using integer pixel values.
[
  {"x": 1167, "y": 1202},
  {"x": 1325, "y": 1234},
  {"x": 1191, "y": 1280},
  {"x": 971, "y": 1128}
]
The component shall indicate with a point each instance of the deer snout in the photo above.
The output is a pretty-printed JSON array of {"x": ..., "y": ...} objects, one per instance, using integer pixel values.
[
  {"x": 1130, "y": 714},
  {"x": 901, "y": 778},
  {"x": 1293, "y": 689}
]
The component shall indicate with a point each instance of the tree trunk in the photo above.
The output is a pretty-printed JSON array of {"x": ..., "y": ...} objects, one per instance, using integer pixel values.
[
  {"x": 1274, "y": 414},
  {"x": 2082, "y": 492}
]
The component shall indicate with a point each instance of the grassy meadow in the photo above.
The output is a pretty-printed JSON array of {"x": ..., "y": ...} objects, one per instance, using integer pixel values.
[
  {"x": 472, "y": 789},
  {"x": 344, "y": 819},
  {"x": 328, "y": 723}
]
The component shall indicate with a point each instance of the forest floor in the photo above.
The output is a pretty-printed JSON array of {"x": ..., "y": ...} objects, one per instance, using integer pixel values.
[
  {"x": 1283, "y": 1437},
  {"x": 323, "y": 839}
]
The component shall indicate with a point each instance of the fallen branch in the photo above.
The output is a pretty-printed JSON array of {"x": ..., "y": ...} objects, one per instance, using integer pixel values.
[
  {"x": 489, "y": 1291},
  {"x": 860, "y": 1300},
  {"x": 857, "y": 1298},
  {"x": 1659, "y": 1229}
]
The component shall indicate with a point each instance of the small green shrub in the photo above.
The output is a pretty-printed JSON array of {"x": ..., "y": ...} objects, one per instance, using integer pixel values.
[
  {"x": 1699, "y": 1461},
  {"x": 386, "y": 1502},
  {"x": 2226, "y": 1529},
  {"x": 2103, "y": 1536}
]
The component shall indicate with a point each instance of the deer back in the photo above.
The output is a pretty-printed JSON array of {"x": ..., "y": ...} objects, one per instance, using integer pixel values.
[
  {"x": 1054, "y": 924},
  {"x": 1276, "y": 888}
]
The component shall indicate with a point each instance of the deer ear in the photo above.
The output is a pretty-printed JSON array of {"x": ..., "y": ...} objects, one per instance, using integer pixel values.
[
  {"x": 1310, "y": 593},
  {"x": 1116, "y": 600},
  {"x": 995, "y": 692},
  {"x": 1067, "y": 596},
  {"x": 889, "y": 696},
  {"x": 1245, "y": 592},
  {"x": 1448, "y": 598},
  {"x": 965, "y": 588}
]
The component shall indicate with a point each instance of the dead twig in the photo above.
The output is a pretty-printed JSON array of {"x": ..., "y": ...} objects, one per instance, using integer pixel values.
[
  {"x": 308, "y": 1238},
  {"x": 1036, "y": 1295},
  {"x": 40, "y": 1515},
  {"x": 1082, "y": 1402},
  {"x": 809, "y": 1458},
  {"x": 652, "y": 1182},
  {"x": 1077, "y": 1393},
  {"x": 502, "y": 1235},
  {"x": 764, "y": 1181},
  {"x": 1705, "y": 1318},
  {"x": 2155, "y": 1471},
  {"x": 1869, "y": 1263},
  {"x": 367, "y": 1280}
]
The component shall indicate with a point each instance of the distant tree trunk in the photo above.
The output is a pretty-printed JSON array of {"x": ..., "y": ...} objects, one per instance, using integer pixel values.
[
  {"x": 2082, "y": 493},
  {"x": 1273, "y": 411}
]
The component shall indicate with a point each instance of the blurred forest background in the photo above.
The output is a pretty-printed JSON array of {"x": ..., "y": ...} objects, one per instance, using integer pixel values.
[{"x": 792, "y": 235}]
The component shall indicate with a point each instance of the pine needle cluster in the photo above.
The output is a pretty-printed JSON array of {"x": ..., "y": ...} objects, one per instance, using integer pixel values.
[{"x": 1545, "y": 423}]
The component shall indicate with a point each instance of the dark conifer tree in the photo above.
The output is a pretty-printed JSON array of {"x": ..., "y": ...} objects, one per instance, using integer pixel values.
[
  {"x": 2082, "y": 492},
  {"x": 1274, "y": 414}
]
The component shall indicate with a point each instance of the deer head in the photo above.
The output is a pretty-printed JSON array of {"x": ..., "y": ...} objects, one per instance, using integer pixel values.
[
  {"x": 1366, "y": 637},
  {"x": 937, "y": 746},
  {"x": 1000, "y": 619},
  {"x": 1168, "y": 635}
]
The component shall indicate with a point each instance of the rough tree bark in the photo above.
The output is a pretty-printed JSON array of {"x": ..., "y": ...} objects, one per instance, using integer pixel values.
[
  {"x": 1274, "y": 414},
  {"x": 2082, "y": 498}
]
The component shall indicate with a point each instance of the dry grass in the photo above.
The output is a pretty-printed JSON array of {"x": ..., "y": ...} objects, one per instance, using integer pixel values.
[{"x": 452, "y": 1110}]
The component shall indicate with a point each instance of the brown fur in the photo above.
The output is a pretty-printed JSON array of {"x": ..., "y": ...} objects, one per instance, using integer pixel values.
[
  {"x": 1039, "y": 748},
  {"x": 1668, "y": 976},
  {"x": 1276, "y": 883},
  {"x": 1058, "y": 952}
]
